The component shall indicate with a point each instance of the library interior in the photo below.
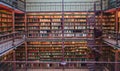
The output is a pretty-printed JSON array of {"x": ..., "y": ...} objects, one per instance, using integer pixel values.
[{"x": 59, "y": 35}]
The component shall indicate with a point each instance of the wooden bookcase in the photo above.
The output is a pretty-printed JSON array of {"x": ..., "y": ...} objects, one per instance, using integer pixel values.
[
  {"x": 51, "y": 51},
  {"x": 109, "y": 26},
  {"x": 20, "y": 22},
  {"x": 37, "y": 51},
  {"x": 6, "y": 22},
  {"x": 109, "y": 54},
  {"x": 20, "y": 55},
  {"x": 106, "y": 22},
  {"x": 90, "y": 24},
  {"x": 119, "y": 24},
  {"x": 119, "y": 59},
  {"x": 49, "y": 25},
  {"x": 6, "y": 66}
]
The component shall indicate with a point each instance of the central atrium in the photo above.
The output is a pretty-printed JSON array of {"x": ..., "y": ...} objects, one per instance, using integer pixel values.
[{"x": 59, "y": 35}]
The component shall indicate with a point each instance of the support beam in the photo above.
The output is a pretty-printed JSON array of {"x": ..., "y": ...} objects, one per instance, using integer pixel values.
[
  {"x": 101, "y": 23},
  {"x": 26, "y": 55},
  {"x": 13, "y": 20},
  {"x": 26, "y": 34},
  {"x": 13, "y": 30},
  {"x": 116, "y": 60},
  {"x": 14, "y": 59},
  {"x": 116, "y": 25},
  {"x": 63, "y": 31},
  {"x": 13, "y": 26}
]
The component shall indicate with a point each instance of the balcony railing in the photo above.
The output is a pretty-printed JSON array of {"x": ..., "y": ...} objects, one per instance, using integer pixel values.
[
  {"x": 112, "y": 39},
  {"x": 113, "y": 4},
  {"x": 10, "y": 41},
  {"x": 57, "y": 66},
  {"x": 20, "y": 5},
  {"x": 15, "y": 4}
]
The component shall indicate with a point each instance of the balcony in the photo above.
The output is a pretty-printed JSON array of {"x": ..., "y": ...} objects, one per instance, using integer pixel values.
[
  {"x": 56, "y": 66},
  {"x": 112, "y": 39},
  {"x": 10, "y": 41},
  {"x": 18, "y": 4},
  {"x": 113, "y": 4}
]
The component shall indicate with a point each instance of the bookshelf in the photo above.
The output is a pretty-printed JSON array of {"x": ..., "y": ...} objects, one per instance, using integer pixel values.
[
  {"x": 109, "y": 26},
  {"x": 20, "y": 56},
  {"x": 106, "y": 22},
  {"x": 20, "y": 22},
  {"x": 119, "y": 59},
  {"x": 51, "y": 51},
  {"x": 6, "y": 66},
  {"x": 20, "y": 53},
  {"x": 90, "y": 24},
  {"x": 109, "y": 55},
  {"x": 44, "y": 51},
  {"x": 49, "y": 25},
  {"x": 119, "y": 22},
  {"x": 6, "y": 22}
]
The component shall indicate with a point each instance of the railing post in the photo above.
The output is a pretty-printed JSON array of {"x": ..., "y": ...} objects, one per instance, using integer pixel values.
[
  {"x": 25, "y": 32},
  {"x": 63, "y": 30},
  {"x": 116, "y": 26},
  {"x": 101, "y": 25},
  {"x": 116, "y": 60},
  {"x": 14, "y": 59},
  {"x": 26, "y": 55},
  {"x": 13, "y": 25}
]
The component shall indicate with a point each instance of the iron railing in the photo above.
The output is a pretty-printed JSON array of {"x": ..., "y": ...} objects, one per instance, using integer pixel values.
[
  {"x": 53, "y": 66},
  {"x": 10, "y": 41},
  {"x": 19, "y": 4}
]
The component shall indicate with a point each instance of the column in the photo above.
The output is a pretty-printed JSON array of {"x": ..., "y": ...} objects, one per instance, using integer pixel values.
[
  {"x": 26, "y": 55},
  {"x": 116, "y": 60},
  {"x": 14, "y": 59}
]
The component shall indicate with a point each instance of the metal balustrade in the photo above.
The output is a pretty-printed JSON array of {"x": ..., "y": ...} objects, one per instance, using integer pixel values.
[
  {"x": 112, "y": 39},
  {"x": 57, "y": 66},
  {"x": 7, "y": 1},
  {"x": 19, "y": 4},
  {"x": 113, "y": 4},
  {"x": 57, "y": 6},
  {"x": 10, "y": 41}
]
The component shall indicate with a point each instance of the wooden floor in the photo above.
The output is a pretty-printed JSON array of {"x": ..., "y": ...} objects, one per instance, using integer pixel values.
[{"x": 54, "y": 70}]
